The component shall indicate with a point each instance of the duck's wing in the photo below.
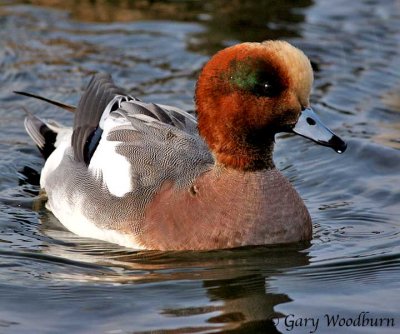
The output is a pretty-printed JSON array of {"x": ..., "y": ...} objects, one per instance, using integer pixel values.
[
  {"x": 92, "y": 105},
  {"x": 121, "y": 138},
  {"x": 101, "y": 101}
]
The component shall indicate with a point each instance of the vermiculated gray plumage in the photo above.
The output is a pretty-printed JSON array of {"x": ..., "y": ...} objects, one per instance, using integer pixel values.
[{"x": 160, "y": 142}]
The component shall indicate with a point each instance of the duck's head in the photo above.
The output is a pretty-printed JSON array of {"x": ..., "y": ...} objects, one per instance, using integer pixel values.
[{"x": 249, "y": 92}]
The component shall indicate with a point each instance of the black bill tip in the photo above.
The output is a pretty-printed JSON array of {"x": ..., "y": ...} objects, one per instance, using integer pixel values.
[{"x": 337, "y": 144}]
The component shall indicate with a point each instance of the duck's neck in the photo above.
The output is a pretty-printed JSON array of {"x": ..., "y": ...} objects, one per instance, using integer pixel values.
[
  {"x": 237, "y": 143},
  {"x": 250, "y": 155}
]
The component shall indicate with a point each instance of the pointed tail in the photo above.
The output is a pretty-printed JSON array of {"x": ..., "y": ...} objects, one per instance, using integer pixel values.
[{"x": 62, "y": 105}]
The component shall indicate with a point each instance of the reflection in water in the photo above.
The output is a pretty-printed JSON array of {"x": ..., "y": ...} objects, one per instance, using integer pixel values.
[
  {"x": 226, "y": 21},
  {"x": 234, "y": 283},
  {"x": 390, "y": 136}
]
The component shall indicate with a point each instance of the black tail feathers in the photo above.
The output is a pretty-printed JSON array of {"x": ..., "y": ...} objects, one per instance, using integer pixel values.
[{"x": 41, "y": 134}]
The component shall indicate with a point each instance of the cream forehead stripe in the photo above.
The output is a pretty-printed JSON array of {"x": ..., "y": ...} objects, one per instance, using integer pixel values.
[{"x": 296, "y": 63}]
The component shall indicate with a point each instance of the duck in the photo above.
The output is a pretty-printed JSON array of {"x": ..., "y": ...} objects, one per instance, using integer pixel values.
[{"x": 150, "y": 176}]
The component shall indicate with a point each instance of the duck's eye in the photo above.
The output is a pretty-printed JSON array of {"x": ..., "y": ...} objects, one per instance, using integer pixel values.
[
  {"x": 266, "y": 89},
  {"x": 255, "y": 76}
]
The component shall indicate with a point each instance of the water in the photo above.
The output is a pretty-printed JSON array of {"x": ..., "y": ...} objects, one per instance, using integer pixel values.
[{"x": 54, "y": 282}]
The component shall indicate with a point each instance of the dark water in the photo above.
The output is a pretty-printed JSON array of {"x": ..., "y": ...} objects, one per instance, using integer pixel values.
[{"x": 54, "y": 282}]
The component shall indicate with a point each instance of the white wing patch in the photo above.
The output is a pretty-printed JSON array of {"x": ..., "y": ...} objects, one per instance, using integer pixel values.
[
  {"x": 64, "y": 134},
  {"x": 106, "y": 163}
]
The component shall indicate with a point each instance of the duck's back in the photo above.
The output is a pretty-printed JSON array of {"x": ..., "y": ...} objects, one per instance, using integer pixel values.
[{"x": 107, "y": 169}]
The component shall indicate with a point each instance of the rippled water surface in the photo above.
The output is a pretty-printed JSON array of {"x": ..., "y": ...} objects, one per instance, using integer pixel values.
[{"x": 54, "y": 282}]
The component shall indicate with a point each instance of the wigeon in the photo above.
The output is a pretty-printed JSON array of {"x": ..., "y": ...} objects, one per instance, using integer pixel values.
[{"x": 152, "y": 176}]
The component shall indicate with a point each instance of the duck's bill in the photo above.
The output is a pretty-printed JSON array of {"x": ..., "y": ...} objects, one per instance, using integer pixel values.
[{"x": 310, "y": 126}]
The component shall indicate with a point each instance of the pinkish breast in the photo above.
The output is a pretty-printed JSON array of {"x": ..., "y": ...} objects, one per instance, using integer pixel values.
[{"x": 225, "y": 209}]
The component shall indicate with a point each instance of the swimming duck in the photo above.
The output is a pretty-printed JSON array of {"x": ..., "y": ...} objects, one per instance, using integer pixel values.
[{"x": 152, "y": 176}]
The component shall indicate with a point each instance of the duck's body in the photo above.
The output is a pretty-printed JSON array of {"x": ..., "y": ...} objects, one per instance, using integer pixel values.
[
  {"x": 229, "y": 209},
  {"x": 142, "y": 175}
]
